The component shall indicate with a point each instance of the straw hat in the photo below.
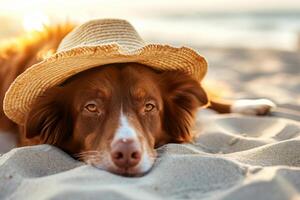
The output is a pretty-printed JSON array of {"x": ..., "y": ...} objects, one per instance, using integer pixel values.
[{"x": 93, "y": 44}]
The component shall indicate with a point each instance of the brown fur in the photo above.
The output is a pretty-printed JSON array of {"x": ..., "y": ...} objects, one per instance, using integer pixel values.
[{"x": 51, "y": 116}]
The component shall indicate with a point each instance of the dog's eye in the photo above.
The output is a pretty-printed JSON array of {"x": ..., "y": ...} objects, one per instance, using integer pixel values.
[
  {"x": 149, "y": 107},
  {"x": 91, "y": 107}
]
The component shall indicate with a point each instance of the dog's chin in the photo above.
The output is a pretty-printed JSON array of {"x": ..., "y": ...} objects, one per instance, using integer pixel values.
[
  {"x": 128, "y": 172},
  {"x": 137, "y": 171}
]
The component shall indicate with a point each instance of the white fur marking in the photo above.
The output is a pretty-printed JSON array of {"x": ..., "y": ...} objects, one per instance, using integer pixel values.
[
  {"x": 252, "y": 107},
  {"x": 125, "y": 130}
]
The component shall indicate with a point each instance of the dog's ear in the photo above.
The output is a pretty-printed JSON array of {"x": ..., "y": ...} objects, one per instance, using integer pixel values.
[
  {"x": 49, "y": 118},
  {"x": 182, "y": 96}
]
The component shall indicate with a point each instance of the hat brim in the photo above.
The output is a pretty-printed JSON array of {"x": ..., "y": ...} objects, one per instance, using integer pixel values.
[{"x": 56, "y": 69}]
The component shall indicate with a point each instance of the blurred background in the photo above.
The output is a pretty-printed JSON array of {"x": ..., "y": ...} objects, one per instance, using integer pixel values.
[
  {"x": 216, "y": 23},
  {"x": 252, "y": 47}
]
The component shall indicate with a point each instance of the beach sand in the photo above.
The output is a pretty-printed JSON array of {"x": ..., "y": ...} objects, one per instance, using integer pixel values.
[{"x": 234, "y": 157}]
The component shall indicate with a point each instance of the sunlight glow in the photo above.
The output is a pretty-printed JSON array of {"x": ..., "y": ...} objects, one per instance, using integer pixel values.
[{"x": 35, "y": 21}]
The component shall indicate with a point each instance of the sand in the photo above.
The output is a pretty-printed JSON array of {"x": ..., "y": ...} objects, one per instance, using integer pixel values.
[{"x": 235, "y": 157}]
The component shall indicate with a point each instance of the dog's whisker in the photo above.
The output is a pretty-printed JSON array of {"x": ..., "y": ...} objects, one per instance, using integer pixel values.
[
  {"x": 87, "y": 153},
  {"x": 90, "y": 156}
]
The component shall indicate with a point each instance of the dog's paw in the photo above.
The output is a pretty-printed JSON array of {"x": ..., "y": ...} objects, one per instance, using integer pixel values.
[{"x": 252, "y": 107}]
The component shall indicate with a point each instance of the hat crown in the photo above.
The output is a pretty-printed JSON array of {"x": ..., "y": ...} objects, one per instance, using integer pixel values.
[{"x": 103, "y": 32}]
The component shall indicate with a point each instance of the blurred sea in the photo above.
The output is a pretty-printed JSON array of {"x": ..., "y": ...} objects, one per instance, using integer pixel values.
[
  {"x": 251, "y": 30},
  {"x": 264, "y": 30}
]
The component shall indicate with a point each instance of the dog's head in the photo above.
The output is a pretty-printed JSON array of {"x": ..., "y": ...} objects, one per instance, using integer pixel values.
[{"x": 114, "y": 116}]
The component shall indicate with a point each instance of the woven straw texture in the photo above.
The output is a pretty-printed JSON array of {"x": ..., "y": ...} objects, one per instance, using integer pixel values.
[{"x": 93, "y": 44}]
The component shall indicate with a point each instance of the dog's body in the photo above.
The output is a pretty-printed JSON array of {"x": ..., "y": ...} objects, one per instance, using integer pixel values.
[{"x": 112, "y": 116}]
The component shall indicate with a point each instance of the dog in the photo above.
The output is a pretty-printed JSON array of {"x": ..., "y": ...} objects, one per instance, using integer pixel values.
[{"x": 113, "y": 117}]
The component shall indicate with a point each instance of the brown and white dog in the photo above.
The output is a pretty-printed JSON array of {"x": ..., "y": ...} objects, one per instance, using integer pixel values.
[{"x": 112, "y": 117}]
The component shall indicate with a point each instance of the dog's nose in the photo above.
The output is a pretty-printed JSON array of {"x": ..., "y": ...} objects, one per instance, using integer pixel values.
[{"x": 126, "y": 153}]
